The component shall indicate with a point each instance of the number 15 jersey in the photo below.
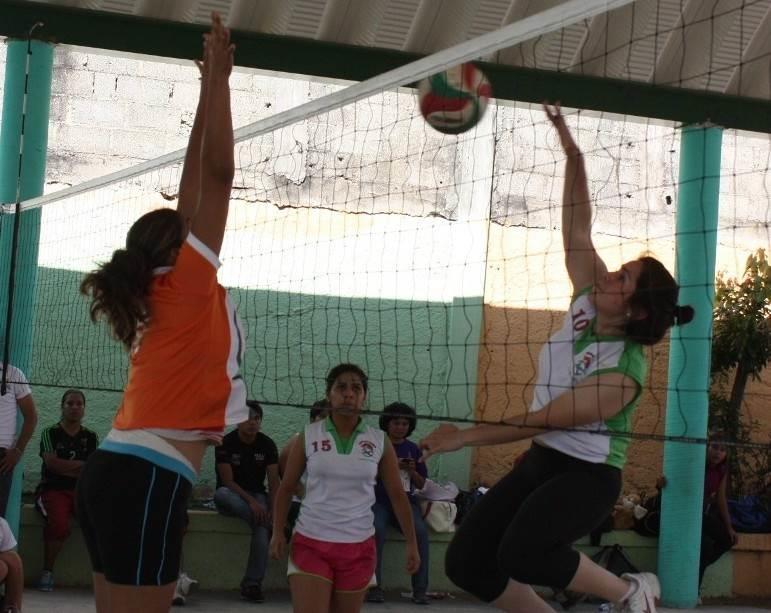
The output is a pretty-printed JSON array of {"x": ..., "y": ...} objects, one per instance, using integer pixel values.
[{"x": 340, "y": 490}]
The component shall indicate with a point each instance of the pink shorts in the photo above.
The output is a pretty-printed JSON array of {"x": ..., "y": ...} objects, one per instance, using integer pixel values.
[{"x": 349, "y": 567}]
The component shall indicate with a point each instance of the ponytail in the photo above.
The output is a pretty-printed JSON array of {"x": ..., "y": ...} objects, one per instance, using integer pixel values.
[{"x": 118, "y": 291}]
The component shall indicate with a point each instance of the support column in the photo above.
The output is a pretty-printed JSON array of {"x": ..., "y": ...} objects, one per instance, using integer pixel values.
[
  {"x": 475, "y": 160},
  {"x": 689, "y": 365},
  {"x": 24, "y": 130}
]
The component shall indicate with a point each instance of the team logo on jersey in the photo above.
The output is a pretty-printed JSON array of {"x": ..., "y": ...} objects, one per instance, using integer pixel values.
[
  {"x": 582, "y": 365},
  {"x": 367, "y": 448}
]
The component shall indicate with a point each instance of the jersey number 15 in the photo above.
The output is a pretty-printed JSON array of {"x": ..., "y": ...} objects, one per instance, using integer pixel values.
[{"x": 326, "y": 445}]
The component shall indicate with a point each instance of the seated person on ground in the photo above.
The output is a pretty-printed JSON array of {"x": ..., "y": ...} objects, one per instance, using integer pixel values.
[
  {"x": 11, "y": 570},
  {"x": 244, "y": 459},
  {"x": 64, "y": 448},
  {"x": 398, "y": 421}
]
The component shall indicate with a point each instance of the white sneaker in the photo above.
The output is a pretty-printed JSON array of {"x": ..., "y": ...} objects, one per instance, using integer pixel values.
[
  {"x": 179, "y": 598},
  {"x": 646, "y": 592},
  {"x": 185, "y": 585}
]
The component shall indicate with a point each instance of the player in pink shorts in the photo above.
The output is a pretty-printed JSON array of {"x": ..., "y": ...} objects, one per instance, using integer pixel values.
[{"x": 333, "y": 554}]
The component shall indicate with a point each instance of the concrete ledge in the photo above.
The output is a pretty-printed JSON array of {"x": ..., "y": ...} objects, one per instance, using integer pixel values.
[
  {"x": 215, "y": 552},
  {"x": 216, "y": 548},
  {"x": 752, "y": 565}
]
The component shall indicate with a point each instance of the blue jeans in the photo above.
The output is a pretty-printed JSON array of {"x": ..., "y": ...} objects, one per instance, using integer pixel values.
[
  {"x": 230, "y": 503},
  {"x": 384, "y": 516}
]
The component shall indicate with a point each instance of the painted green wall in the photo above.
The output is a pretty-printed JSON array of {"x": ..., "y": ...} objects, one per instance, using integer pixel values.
[{"x": 292, "y": 341}]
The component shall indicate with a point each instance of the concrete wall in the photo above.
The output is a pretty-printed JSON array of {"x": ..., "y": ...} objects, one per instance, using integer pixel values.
[{"x": 344, "y": 240}]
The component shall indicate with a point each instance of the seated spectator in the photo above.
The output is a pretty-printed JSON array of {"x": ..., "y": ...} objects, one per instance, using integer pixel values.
[
  {"x": 319, "y": 410},
  {"x": 243, "y": 460},
  {"x": 717, "y": 532},
  {"x": 11, "y": 570},
  {"x": 398, "y": 421},
  {"x": 64, "y": 448},
  {"x": 17, "y": 400}
]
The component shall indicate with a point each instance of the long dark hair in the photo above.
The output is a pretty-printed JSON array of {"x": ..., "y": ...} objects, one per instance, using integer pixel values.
[
  {"x": 119, "y": 288},
  {"x": 656, "y": 297}
]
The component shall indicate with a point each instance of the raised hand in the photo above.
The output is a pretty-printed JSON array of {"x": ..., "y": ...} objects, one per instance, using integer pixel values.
[
  {"x": 218, "y": 50},
  {"x": 554, "y": 113}
]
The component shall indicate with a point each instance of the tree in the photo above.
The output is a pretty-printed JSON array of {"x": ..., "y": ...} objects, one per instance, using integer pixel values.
[{"x": 741, "y": 349}]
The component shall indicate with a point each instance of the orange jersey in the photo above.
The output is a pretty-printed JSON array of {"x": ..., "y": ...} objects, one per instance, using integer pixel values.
[{"x": 184, "y": 365}]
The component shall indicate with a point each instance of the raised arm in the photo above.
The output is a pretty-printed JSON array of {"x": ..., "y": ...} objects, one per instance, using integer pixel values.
[
  {"x": 583, "y": 264},
  {"x": 595, "y": 399},
  {"x": 217, "y": 164},
  {"x": 190, "y": 183}
]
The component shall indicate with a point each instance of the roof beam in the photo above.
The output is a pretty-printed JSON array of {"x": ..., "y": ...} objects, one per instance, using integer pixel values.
[
  {"x": 438, "y": 25},
  {"x": 524, "y": 54},
  {"x": 751, "y": 77},
  {"x": 609, "y": 40},
  {"x": 353, "y": 22},
  {"x": 682, "y": 59},
  {"x": 129, "y": 33},
  {"x": 270, "y": 16}
]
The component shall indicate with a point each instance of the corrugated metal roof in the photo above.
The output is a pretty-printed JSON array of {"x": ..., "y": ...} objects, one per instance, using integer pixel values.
[{"x": 707, "y": 45}]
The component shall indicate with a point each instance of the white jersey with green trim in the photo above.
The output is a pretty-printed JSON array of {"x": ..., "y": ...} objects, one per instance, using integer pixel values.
[
  {"x": 573, "y": 354},
  {"x": 340, "y": 489}
]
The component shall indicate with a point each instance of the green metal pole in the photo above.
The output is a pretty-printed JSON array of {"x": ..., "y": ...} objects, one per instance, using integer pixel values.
[
  {"x": 23, "y": 148},
  {"x": 689, "y": 366}
]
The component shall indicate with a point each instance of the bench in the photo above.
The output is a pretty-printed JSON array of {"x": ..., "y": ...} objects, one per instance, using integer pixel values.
[{"x": 216, "y": 548}]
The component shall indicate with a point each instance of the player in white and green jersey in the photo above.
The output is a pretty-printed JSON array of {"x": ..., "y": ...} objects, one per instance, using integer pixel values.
[{"x": 590, "y": 376}]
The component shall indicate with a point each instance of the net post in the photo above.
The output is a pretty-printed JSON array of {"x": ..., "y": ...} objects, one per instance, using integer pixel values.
[
  {"x": 689, "y": 365},
  {"x": 23, "y": 150},
  {"x": 474, "y": 176}
]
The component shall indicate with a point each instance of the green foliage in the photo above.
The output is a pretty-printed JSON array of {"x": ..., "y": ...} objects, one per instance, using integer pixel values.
[
  {"x": 741, "y": 349},
  {"x": 742, "y": 335}
]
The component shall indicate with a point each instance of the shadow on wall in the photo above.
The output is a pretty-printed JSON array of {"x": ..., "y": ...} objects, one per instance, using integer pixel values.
[
  {"x": 292, "y": 341},
  {"x": 508, "y": 360}
]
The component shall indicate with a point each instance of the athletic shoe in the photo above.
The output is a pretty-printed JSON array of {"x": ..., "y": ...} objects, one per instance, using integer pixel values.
[
  {"x": 185, "y": 585},
  {"x": 252, "y": 593},
  {"x": 646, "y": 592},
  {"x": 46, "y": 583},
  {"x": 179, "y": 599},
  {"x": 420, "y": 598},
  {"x": 375, "y": 594}
]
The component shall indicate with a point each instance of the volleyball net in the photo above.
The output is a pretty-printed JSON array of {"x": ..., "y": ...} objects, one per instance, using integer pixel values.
[{"x": 357, "y": 233}]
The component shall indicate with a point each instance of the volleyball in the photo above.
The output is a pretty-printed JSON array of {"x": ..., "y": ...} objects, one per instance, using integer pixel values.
[{"x": 454, "y": 101}]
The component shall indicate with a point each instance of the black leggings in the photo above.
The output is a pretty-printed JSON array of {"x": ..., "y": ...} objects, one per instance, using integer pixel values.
[
  {"x": 524, "y": 527},
  {"x": 715, "y": 541}
]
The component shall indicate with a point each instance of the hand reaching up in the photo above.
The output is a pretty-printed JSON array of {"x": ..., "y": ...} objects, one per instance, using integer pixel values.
[
  {"x": 218, "y": 50},
  {"x": 554, "y": 113}
]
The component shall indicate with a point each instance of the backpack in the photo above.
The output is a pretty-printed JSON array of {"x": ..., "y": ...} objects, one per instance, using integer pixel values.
[
  {"x": 465, "y": 500},
  {"x": 749, "y": 514},
  {"x": 610, "y": 557},
  {"x": 650, "y": 524}
]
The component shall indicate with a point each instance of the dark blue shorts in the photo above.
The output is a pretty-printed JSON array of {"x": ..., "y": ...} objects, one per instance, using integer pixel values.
[{"x": 133, "y": 516}]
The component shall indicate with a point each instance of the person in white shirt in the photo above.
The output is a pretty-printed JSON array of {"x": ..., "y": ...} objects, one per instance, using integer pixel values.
[
  {"x": 333, "y": 552},
  {"x": 18, "y": 396},
  {"x": 11, "y": 570},
  {"x": 590, "y": 376}
]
